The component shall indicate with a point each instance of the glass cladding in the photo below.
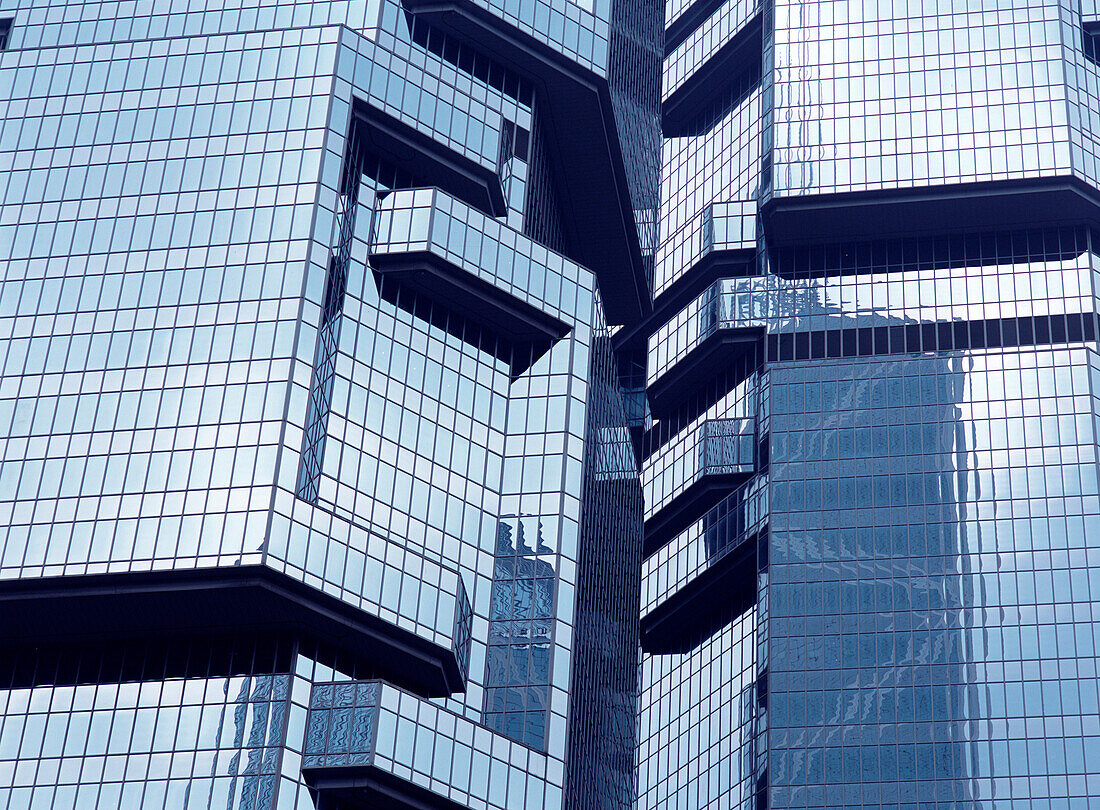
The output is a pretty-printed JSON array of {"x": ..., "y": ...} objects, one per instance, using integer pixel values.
[
  {"x": 922, "y": 594},
  {"x": 603, "y": 725},
  {"x": 169, "y": 320},
  {"x": 924, "y": 625},
  {"x": 932, "y": 114},
  {"x": 129, "y": 731},
  {"x": 293, "y": 299},
  {"x": 283, "y": 295},
  {"x": 713, "y": 155},
  {"x": 635, "y": 46},
  {"x": 890, "y": 606},
  {"x": 542, "y": 217},
  {"x": 520, "y": 633},
  {"x": 730, "y": 149},
  {"x": 696, "y": 724},
  {"x": 320, "y": 391}
]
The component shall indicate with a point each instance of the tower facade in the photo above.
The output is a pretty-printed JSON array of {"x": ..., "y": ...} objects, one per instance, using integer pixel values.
[
  {"x": 376, "y": 376},
  {"x": 316, "y": 467},
  {"x": 870, "y": 465}
]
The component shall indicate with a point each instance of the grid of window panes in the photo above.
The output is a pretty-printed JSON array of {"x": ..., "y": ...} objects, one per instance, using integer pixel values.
[
  {"x": 717, "y": 162},
  {"x": 738, "y": 519},
  {"x": 1083, "y": 89},
  {"x": 144, "y": 728},
  {"x": 697, "y": 709},
  {"x": 921, "y": 452},
  {"x": 705, "y": 41},
  {"x": 930, "y": 602},
  {"x": 677, "y": 459},
  {"x": 882, "y": 96},
  {"x": 531, "y": 611},
  {"x": 200, "y": 370},
  {"x": 520, "y": 632},
  {"x": 604, "y": 698},
  {"x": 696, "y": 729},
  {"x": 634, "y": 70},
  {"x": 901, "y": 295},
  {"x": 925, "y": 294},
  {"x": 151, "y": 294}
]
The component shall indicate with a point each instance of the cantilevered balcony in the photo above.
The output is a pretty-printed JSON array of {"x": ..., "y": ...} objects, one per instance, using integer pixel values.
[
  {"x": 720, "y": 242},
  {"x": 724, "y": 49},
  {"x": 712, "y": 331},
  {"x": 439, "y": 257},
  {"x": 469, "y": 170},
  {"x": 693, "y": 475},
  {"x": 359, "y": 754},
  {"x": 338, "y": 762},
  {"x": 425, "y": 649},
  {"x": 708, "y": 574}
]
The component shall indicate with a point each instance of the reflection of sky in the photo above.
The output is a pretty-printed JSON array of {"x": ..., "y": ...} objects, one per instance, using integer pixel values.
[
  {"x": 908, "y": 104},
  {"x": 1027, "y": 487},
  {"x": 718, "y": 30},
  {"x": 698, "y": 709}
]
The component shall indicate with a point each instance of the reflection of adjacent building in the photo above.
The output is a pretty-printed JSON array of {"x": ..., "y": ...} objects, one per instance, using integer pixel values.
[
  {"x": 520, "y": 626},
  {"x": 868, "y": 685}
]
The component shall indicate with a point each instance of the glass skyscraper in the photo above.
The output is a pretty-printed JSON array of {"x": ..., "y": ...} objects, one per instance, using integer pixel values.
[
  {"x": 872, "y": 522},
  {"x": 549, "y": 404},
  {"x": 317, "y": 487}
]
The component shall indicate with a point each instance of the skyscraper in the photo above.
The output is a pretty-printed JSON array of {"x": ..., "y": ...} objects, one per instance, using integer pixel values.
[
  {"x": 317, "y": 488},
  {"x": 870, "y": 477},
  {"x": 440, "y": 404}
]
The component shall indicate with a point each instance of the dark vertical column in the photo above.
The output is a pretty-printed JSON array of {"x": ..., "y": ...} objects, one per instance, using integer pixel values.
[
  {"x": 328, "y": 333},
  {"x": 602, "y": 723}
]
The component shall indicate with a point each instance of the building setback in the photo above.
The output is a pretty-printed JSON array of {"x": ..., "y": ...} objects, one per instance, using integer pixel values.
[{"x": 441, "y": 404}]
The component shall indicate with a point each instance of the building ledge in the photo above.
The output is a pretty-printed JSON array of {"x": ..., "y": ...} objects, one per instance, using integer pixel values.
[
  {"x": 366, "y": 787},
  {"x": 688, "y": 506},
  {"x": 512, "y": 329},
  {"x": 586, "y": 156},
  {"x": 418, "y": 251},
  {"x": 699, "y": 87},
  {"x": 338, "y": 757},
  {"x": 241, "y": 601},
  {"x": 1034, "y": 203},
  {"x": 427, "y": 159},
  {"x": 726, "y": 450},
  {"x": 717, "y": 350},
  {"x": 720, "y": 593}
]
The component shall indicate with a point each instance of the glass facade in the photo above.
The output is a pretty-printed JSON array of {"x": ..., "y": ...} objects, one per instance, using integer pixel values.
[
  {"x": 870, "y": 457},
  {"x": 315, "y": 466},
  {"x": 560, "y": 404}
]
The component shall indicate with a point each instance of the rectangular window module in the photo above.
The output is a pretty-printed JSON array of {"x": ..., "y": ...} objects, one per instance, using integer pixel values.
[{"x": 5, "y": 32}]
